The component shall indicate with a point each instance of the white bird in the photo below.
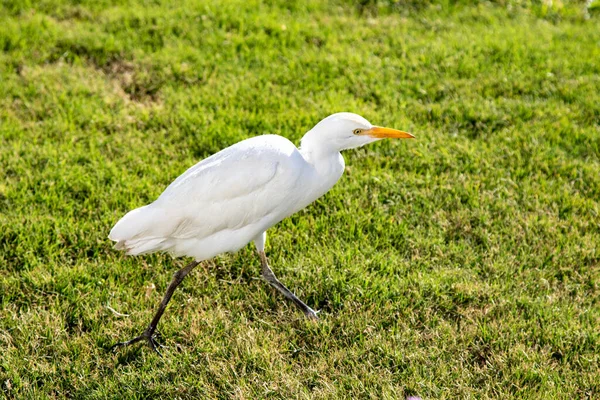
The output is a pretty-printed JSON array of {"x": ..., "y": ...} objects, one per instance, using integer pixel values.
[{"x": 232, "y": 197}]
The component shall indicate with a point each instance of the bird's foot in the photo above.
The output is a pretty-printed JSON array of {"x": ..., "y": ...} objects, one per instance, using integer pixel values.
[
  {"x": 312, "y": 314},
  {"x": 148, "y": 336}
]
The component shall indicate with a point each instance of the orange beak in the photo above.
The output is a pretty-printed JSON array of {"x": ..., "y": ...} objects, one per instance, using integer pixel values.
[{"x": 381, "y": 133}]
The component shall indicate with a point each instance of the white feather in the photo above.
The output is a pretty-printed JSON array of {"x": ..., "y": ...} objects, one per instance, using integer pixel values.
[{"x": 219, "y": 204}]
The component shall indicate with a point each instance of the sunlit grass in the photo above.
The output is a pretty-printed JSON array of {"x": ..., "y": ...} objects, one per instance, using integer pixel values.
[{"x": 461, "y": 264}]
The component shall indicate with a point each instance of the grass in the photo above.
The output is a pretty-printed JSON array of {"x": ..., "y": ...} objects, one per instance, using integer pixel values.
[{"x": 463, "y": 264}]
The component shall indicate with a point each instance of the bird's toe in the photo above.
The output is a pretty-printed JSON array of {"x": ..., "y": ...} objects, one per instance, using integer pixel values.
[
  {"x": 312, "y": 314},
  {"x": 154, "y": 345},
  {"x": 148, "y": 336}
]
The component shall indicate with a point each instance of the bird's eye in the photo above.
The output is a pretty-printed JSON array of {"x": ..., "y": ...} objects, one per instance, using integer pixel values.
[{"x": 357, "y": 131}]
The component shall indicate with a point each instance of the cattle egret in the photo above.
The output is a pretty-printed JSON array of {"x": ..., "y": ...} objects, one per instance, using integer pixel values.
[{"x": 232, "y": 197}]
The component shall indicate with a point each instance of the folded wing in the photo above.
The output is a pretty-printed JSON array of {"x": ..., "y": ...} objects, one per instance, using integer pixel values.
[{"x": 243, "y": 186}]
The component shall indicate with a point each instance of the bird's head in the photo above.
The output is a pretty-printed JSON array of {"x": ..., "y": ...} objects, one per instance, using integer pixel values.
[{"x": 346, "y": 131}]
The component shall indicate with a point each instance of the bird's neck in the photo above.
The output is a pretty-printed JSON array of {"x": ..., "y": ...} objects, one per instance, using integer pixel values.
[
  {"x": 327, "y": 163},
  {"x": 315, "y": 149}
]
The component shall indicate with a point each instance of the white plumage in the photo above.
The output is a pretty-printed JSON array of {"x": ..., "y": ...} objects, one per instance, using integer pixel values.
[
  {"x": 219, "y": 204},
  {"x": 231, "y": 198},
  {"x": 224, "y": 201}
]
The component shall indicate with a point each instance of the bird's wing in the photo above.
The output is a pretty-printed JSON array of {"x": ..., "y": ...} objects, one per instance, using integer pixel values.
[{"x": 236, "y": 187}]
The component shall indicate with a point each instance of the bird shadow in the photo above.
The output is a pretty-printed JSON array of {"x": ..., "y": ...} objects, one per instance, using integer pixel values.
[{"x": 128, "y": 356}]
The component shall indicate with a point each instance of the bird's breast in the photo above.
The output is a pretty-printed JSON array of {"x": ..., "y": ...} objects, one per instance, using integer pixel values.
[{"x": 323, "y": 174}]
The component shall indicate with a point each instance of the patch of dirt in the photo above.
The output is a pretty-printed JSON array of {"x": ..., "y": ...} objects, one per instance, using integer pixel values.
[{"x": 132, "y": 83}]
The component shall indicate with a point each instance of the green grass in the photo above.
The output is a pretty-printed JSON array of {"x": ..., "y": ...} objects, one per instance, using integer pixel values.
[{"x": 463, "y": 264}]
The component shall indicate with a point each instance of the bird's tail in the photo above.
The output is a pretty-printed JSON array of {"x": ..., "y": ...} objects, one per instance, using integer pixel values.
[{"x": 138, "y": 231}]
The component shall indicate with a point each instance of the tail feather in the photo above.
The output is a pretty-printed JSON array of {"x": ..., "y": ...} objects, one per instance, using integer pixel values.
[
  {"x": 121, "y": 245},
  {"x": 143, "y": 230},
  {"x": 144, "y": 246}
]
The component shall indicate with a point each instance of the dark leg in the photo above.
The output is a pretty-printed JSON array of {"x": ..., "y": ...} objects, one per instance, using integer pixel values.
[
  {"x": 148, "y": 334},
  {"x": 270, "y": 277}
]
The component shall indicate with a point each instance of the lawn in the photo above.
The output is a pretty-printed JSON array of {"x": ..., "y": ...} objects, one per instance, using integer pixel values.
[{"x": 462, "y": 264}]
